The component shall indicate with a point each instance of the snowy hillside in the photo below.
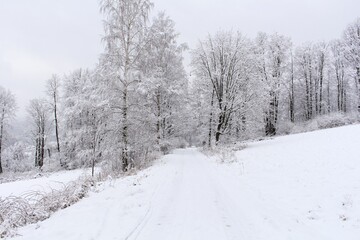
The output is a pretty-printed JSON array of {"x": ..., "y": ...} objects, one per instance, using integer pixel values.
[{"x": 303, "y": 186}]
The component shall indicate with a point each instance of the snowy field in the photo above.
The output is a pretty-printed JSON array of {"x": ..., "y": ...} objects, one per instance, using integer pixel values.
[
  {"x": 54, "y": 181},
  {"x": 304, "y": 186}
]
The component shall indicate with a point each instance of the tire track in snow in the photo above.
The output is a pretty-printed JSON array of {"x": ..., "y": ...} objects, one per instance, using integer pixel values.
[{"x": 137, "y": 230}]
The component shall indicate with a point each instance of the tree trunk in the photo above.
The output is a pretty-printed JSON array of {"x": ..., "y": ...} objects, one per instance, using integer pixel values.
[
  {"x": 56, "y": 124},
  {"x": 1, "y": 137},
  {"x": 321, "y": 73},
  {"x": 159, "y": 120},
  {"x": 271, "y": 118},
  {"x": 328, "y": 97},
  {"x": 339, "y": 91},
  {"x": 37, "y": 151},
  {"x": 124, "y": 154},
  {"x": 311, "y": 92},
  {"x": 316, "y": 86},
  {"x": 358, "y": 85},
  {"x": 211, "y": 118},
  {"x": 344, "y": 102},
  {"x": 42, "y": 144},
  {"x": 218, "y": 129},
  {"x": 292, "y": 93},
  {"x": 307, "y": 92}
]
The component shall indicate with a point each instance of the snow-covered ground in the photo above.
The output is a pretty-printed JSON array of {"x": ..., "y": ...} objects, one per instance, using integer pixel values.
[
  {"x": 304, "y": 186},
  {"x": 44, "y": 184}
]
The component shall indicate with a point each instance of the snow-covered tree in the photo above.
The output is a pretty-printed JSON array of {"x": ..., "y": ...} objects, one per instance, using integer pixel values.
[
  {"x": 39, "y": 114},
  {"x": 125, "y": 40},
  {"x": 351, "y": 40},
  {"x": 340, "y": 69},
  {"x": 166, "y": 83},
  {"x": 83, "y": 119},
  {"x": 7, "y": 112},
  {"x": 222, "y": 60},
  {"x": 273, "y": 52},
  {"x": 17, "y": 158},
  {"x": 53, "y": 91}
]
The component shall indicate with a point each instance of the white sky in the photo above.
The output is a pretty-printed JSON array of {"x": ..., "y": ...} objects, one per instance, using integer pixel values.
[{"x": 42, "y": 37}]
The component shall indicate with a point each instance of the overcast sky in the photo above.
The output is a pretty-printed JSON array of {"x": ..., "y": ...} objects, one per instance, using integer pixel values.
[{"x": 41, "y": 37}]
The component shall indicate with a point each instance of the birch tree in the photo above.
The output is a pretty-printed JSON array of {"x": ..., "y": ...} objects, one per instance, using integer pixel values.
[{"x": 125, "y": 40}]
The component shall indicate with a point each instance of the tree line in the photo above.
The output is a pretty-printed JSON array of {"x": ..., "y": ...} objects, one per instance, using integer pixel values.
[{"x": 253, "y": 87}]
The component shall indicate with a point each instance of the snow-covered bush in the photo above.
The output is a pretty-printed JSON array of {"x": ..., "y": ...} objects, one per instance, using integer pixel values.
[
  {"x": 165, "y": 147},
  {"x": 17, "y": 158},
  {"x": 38, "y": 206},
  {"x": 305, "y": 127},
  {"x": 325, "y": 121},
  {"x": 334, "y": 120},
  {"x": 224, "y": 153},
  {"x": 285, "y": 128}
]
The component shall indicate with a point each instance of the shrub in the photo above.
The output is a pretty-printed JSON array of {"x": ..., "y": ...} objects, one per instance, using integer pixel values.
[
  {"x": 37, "y": 206},
  {"x": 17, "y": 158}
]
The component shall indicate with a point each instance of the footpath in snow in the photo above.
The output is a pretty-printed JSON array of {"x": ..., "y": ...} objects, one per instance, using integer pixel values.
[{"x": 305, "y": 186}]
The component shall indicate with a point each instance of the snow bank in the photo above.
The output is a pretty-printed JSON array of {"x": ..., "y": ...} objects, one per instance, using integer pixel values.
[{"x": 42, "y": 183}]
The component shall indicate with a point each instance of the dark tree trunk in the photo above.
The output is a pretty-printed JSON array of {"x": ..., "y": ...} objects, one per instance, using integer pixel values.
[
  {"x": 56, "y": 124},
  {"x": 159, "y": 120},
  {"x": 307, "y": 90},
  {"x": 311, "y": 91},
  {"x": 218, "y": 129},
  {"x": 358, "y": 85},
  {"x": 292, "y": 93},
  {"x": 339, "y": 91},
  {"x": 344, "y": 102},
  {"x": 37, "y": 151},
  {"x": 124, "y": 153},
  {"x": 1, "y": 137},
  {"x": 271, "y": 118},
  {"x": 42, "y": 150},
  {"x": 328, "y": 97},
  {"x": 316, "y": 87},
  {"x": 211, "y": 118},
  {"x": 243, "y": 123},
  {"x": 321, "y": 80}
]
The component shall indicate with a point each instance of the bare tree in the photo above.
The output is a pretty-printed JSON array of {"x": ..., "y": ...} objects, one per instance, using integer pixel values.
[
  {"x": 221, "y": 60},
  {"x": 7, "y": 111},
  {"x": 273, "y": 55},
  {"x": 39, "y": 115},
  {"x": 320, "y": 58},
  {"x": 304, "y": 61},
  {"x": 52, "y": 90},
  {"x": 352, "y": 51},
  {"x": 339, "y": 68},
  {"x": 292, "y": 92}
]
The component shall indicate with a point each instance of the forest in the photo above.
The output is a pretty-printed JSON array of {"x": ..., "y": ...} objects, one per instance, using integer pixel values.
[{"x": 140, "y": 101}]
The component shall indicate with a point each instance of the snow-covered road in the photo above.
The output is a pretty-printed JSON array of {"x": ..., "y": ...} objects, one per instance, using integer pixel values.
[
  {"x": 304, "y": 186},
  {"x": 192, "y": 202},
  {"x": 182, "y": 197}
]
